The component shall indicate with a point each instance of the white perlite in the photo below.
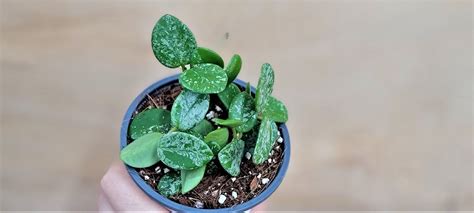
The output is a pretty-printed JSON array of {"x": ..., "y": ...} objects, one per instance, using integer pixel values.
[
  {"x": 278, "y": 133},
  {"x": 199, "y": 204},
  {"x": 248, "y": 155},
  {"x": 222, "y": 199},
  {"x": 259, "y": 176},
  {"x": 157, "y": 169},
  {"x": 218, "y": 109},
  {"x": 166, "y": 170},
  {"x": 210, "y": 115},
  {"x": 269, "y": 160},
  {"x": 280, "y": 140},
  {"x": 233, "y": 179},
  {"x": 146, "y": 177},
  {"x": 265, "y": 180},
  {"x": 234, "y": 194}
]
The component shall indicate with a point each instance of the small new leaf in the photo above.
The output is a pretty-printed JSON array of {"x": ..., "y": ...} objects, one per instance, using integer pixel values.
[
  {"x": 191, "y": 178},
  {"x": 243, "y": 108},
  {"x": 275, "y": 110},
  {"x": 233, "y": 68},
  {"x": 231, "y": 156},
  {"x": 204, "y": 79},
  {"x": 267, "y": 135},
  {"x": 141, "y": 153},
  {"x": 203, "y": 128},
  {"x": 217, "y": 139},
  {"x": 228, "y": 122},
  {"x": 264, "y": 87},
  {"x": 152, "y": 120},
  {"x": 228, "y": 94},
  {"x": 206, "y": 55},
  {"x": 188, "y": 109},
  {"x": 172, "y": 42},
  {"x": 180, "y": 150},
  {"x": 170, "y": 184}
]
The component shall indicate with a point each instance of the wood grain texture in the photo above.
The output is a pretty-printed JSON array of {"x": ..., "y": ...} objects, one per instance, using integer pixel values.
[{"x": 379, "y": 95}]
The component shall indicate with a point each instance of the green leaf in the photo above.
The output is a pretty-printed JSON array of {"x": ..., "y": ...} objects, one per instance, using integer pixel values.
[
  {"x": 264, "y": 87},
  {"x": 152, "y": 120},
  {"x": 204, "y": 78},
  {"x": 247, "y": 88},
  {"x": 180, "y": 150},
  {"x": 191, "y": 178},
  {"x": 206, "y": 55},
  {"x": 172, "y": 42},
  {"x": 267, "y": 135},
  {"x": 217, "y": 139},
  {"x": 170, "y": 184},
  {"x": 228, "y": 94},
  {"x": 228, "y": 122},
  {"x": 233, "y": 68},
  {"x": 242, "y": 108},
  {"x": 189, "y": 109},
  {"x": 275, "y": 110},
  {"x": 203, "y": 128},
  {"x": 231, "y": 156},
  {"x": 141, "y": 153}
]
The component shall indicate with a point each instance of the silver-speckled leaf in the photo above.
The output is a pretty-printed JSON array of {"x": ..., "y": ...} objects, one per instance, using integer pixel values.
[
  {"x": 152, "y": 120},
  {"x": 275, "y": 110},
  {"x": 204, "y": 78},
  {"x": 267, "y": 135},
  {"x": 189, "y": 109},
  {"x": 264, "y": 87},
  {"x": 217, "y": 139},
  {"x": 191, "y": 178},
  {"x": 206, "y": 55},
  {"x": 228, "y": 94},
  {"x": 170, "y": 184},
  {"x": 141, "y": 153},
  {"x": 172, "y": 42},
  {"x": 243, "y": 108},
  {"x": 233, "y": 68},
  {"x": 228, "y": 122},
  {"x": 180, "y": 150},
  {"x": 231, "y": 156}
]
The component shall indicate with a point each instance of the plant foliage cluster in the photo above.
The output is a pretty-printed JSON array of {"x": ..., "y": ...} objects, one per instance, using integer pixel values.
[{"x": 183, "y": 139}]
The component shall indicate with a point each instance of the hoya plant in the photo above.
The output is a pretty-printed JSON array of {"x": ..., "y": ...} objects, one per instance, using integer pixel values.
[{"x": 184, "y": 139}]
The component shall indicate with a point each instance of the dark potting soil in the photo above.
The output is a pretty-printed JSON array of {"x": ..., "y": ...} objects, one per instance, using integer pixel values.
[{"x": 251, "y": 181}]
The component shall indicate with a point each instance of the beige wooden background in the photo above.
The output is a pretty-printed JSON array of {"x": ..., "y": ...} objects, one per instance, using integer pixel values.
[{"x": 379, "y": 95}]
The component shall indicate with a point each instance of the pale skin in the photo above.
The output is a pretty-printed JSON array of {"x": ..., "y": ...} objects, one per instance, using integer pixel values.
[{"x": 118, "y": 192}]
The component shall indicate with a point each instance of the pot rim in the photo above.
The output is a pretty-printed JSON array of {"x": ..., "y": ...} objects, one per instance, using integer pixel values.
[{"x": 180, "y": 207}]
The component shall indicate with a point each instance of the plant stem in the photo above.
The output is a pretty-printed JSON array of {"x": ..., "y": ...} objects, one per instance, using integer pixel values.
[{"x": 174, "y": 129}]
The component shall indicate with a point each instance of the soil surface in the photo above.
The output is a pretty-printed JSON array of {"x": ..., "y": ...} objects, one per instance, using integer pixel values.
[{"x": 216, "y": 183}]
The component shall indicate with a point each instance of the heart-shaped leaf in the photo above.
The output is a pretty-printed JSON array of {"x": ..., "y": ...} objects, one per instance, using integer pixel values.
[
  {"x": 228, "y": 94},
  {"x": 152, "y": 120},
  {"x": 141, "y": 153},
  {"x": 217, "y": 139},
  {"x": 228, "y": 122},
  {"x": 275, "y": 110},
  {"x": 204, "y": 127},
  {"x": 264, "y": 87},
  {"x": 188, "y": 109},
  {"x": 267, "y": 135},
  {"x": 242, "y": 108},
  {"x": 170, "y": 184},
  {"x": 172, "y": 42},
  {"x": 191, "y": 178},
  {"x": 231, "y": 156},
  {"x": 206, "y": 55},
  {"x": 204, "y": 79},
  {"x": 233, "y": 68},
  {"x": 180, "y": 150}
]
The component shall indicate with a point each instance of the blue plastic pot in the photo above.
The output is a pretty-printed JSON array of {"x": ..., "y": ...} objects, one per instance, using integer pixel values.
[{"x": 182, "y": 208}]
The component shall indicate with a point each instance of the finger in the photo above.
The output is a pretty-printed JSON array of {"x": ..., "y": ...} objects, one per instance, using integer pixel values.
[
  {"x": 123, "y": 194},
  {"x": 103, "y": 204}
]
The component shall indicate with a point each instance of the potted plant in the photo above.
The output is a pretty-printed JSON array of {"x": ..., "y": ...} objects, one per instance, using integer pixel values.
[{"x": 204, "y": 140}]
